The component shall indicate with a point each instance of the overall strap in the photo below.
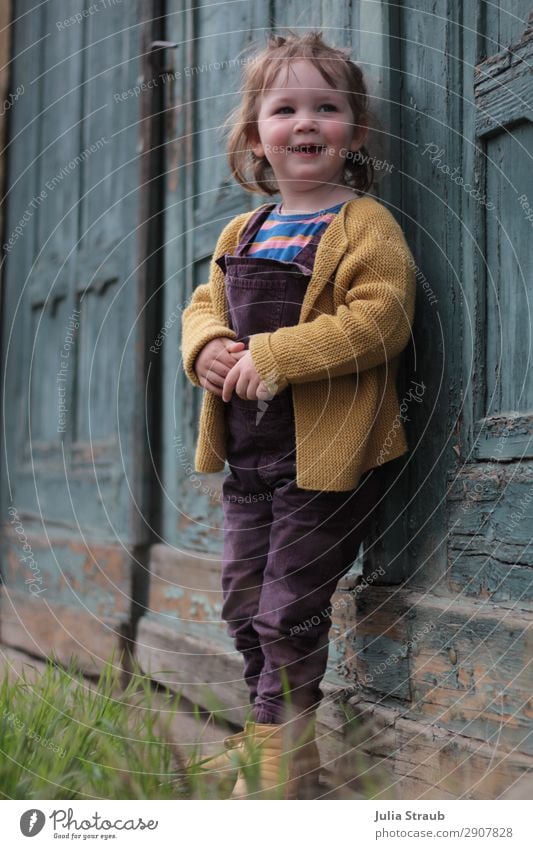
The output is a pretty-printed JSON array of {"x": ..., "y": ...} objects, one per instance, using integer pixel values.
[{"x": 254, "y": 224}]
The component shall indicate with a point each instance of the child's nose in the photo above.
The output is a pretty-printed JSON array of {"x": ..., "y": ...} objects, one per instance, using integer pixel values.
[{"x": 306, "y": 122}]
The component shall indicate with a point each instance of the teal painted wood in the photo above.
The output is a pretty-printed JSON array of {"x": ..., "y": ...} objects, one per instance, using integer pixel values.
[
  {"x": 21, "y": 252},
  {"x": 492, "y": 28},
  {"x": 70, "y": 325},
  {"x": 474, "y": 314},
  {"x": 200, "y": 201},
  {"x": 375, "y": 44},
  {"x": 471, "y": 674},
  {"x": 490, "y": 521},
  {"x": 503, "y": 438},
  {"x": 432, "y": 206},
  {"x": 502, "y": 23},
  {"x": 504, "y": 97}
]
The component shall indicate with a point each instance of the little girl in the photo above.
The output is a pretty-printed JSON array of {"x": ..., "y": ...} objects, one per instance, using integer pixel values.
[{"x": 295, "y": 339}]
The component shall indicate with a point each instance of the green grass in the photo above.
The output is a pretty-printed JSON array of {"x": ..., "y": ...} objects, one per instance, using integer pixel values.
[{"x": 63, "y": 739}]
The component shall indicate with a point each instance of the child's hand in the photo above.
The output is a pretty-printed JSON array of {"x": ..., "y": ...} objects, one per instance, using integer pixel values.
[
  {"x": 214, "y": 362},
  {"x": 244, "y": 378}
]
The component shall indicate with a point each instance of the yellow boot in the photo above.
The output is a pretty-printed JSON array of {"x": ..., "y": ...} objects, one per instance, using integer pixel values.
[
  {"x": 224, "y": 766},
  {"x": 278, "y": 762}
]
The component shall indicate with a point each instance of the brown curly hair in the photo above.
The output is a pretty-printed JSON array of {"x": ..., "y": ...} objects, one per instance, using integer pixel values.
[{"x": 254, "y": 173}]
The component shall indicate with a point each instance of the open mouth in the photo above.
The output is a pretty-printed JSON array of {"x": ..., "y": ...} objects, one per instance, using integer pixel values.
[{"x": 307, "y": 148}]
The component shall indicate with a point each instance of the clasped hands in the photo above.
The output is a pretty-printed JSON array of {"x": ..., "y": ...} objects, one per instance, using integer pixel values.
[{"x": 224, "y": 366}]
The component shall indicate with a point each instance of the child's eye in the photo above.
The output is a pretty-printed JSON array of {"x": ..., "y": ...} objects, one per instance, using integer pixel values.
[{"x": 327, "y": 106}]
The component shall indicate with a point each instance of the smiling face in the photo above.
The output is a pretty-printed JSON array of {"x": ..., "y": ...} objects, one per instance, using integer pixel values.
[{"x": 306, "y": 128}]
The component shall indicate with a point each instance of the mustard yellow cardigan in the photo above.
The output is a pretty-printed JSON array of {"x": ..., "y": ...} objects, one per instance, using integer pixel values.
[{"x": 341, "y": 359}]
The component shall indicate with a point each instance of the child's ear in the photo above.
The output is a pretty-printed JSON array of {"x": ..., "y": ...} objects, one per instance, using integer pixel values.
[
  {"x": 257, "y": 148},
  {"x": 359, "y": 137}
]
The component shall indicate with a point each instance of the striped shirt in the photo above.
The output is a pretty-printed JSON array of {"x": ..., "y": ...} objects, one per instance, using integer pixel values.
[{"x": 282, "y": 237}]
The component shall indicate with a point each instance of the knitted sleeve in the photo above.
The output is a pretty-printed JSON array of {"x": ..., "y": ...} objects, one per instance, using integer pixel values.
[
  {"x": 371, "y": 327},
  {"x": 200, "y": 321}
]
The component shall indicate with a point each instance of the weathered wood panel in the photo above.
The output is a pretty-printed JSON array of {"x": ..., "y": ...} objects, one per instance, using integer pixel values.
[
  {"x": 503, "y": 438},
  {"x": 185, "y": 594},
  {"x": 502, "y": 87},
  {"x": 63, "y": 631},
  {"x": 71, "y": 328},
  {"x": 472, "y": 674},
  {"x": 468, "y": 669},
  {"x": 425, "y": 761},
  {"x": 64, "y": 597},
  {"x": 490, "y": 521},
  {"x": 502, "y": 24}
]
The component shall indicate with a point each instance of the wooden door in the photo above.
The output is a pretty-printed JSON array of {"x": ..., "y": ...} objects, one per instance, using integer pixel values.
[
  {"x": 451, "y": 646},
  {"x": 72, "y": 331},
  {"x": 490, "y": 561}
]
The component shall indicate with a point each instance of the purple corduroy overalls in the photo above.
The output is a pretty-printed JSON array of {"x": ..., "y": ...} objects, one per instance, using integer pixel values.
[{"x": 285, "y": 548}]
